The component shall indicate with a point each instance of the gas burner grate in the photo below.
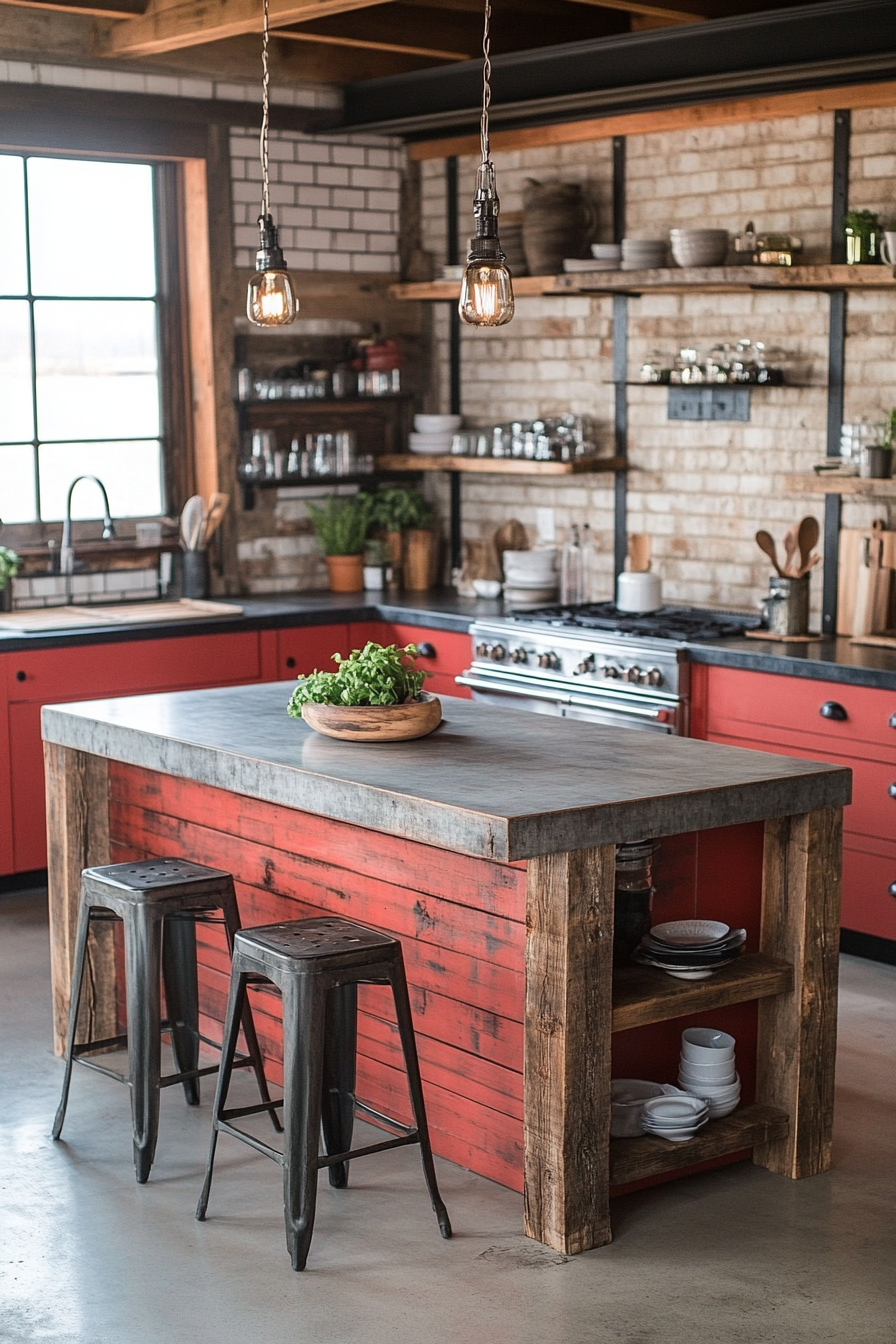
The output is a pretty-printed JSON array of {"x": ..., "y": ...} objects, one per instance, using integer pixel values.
[{"x": 685, "y": 624}]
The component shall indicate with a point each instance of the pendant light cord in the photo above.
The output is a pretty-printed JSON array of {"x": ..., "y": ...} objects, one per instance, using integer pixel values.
[
  {"x": 265, "y": 100},
  {"x": 486, "y": 82}
]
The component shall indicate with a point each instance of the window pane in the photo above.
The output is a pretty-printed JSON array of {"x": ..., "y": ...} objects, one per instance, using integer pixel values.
[
  {"x": 131, "y": 473},
  {"x": 97, "y": 370},
  {"x": 17, "y": 502},
  {"x": 16, "y": 409},
  {"x": 91, "y": 228},
  {"x": 13, "y": 264}
]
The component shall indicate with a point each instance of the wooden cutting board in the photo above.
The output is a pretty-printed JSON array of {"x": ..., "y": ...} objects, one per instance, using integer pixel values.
[
  {"x": 864, "y": 590},
  {"x": 124, "y": 613}
]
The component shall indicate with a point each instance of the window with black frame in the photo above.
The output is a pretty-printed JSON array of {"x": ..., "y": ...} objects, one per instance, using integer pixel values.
[{"x": 80, "y": 385}]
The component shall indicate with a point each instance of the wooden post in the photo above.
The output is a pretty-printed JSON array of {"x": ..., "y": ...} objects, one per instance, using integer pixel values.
[
  {"x": 566, "y": 1069},
  {"x": 77, "y": 837},
  {"x": 798, "y": 1031}
]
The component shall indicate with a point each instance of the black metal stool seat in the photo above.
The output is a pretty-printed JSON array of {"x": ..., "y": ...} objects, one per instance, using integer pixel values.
[
  {"x": 159, "y": 903},
  {"x": 317, "y": 965}
]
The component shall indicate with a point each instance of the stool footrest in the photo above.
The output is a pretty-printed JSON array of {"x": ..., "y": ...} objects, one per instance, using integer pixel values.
[
  {"x": 402, "y": 1142},
  {"x": 100, "y": 1068},
  {"x": 257, "y": 1144},
  {"x": 260, "y": 1108},
  {"x": 385, "y": 1120},
  {"x": 91, "y": 1047}
]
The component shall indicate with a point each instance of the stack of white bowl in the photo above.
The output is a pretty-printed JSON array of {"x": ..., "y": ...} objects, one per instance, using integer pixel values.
[
  {"x": 707, "y": 1069},
  {"x": 530, "y": 577},
  {"x": 674, "y": 1118},
  {"x": 433, "y": 433},
  {"x": 643, "y": 254},
  {"x": 699, "y": 247},
  {"x": 607, "y": 255}
]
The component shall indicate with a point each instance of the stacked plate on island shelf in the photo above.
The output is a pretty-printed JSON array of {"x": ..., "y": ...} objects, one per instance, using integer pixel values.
[
  {"x": 690, "y": 949},
  {"x": 706, "y": 1069},
  {"x": 676, "y": 1118}
]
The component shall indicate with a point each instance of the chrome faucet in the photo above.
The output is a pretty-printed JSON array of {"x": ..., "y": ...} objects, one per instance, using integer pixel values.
[{"x": 66, "y": 550}]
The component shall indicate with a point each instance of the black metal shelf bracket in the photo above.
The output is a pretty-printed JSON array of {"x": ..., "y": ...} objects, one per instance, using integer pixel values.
[
  {"x": 620, "y": 371},
  {"x": 833, "y": 504}
]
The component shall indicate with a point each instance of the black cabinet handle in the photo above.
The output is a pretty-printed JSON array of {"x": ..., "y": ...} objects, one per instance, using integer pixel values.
[
  {"x": 290, "y": 662},
  {"x": 21, "y": 676},
  {"x": 426, "y": 650},
  {"x": 831, "y": 710}
]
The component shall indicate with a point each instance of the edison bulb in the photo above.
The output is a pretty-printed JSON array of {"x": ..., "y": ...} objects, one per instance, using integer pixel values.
[
  {"x": 271, "y": 300},
  {"x": 486, "y": 296}
]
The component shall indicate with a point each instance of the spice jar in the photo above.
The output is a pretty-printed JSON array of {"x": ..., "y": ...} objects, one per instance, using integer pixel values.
[{"x": 633, "y": 900}]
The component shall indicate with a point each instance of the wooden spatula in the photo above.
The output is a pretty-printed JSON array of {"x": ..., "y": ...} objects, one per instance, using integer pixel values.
[
  {"x": 217, "y": 507},
  {"x": 639, "y": 552}
]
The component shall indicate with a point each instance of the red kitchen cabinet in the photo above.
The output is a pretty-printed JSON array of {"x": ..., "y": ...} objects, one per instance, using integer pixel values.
[
  {"x": 450, "y": 651},
  {"x": 310, "y": 648},
  {"x": 90, "y": 672},
  {"x": 853, "y": 726}
]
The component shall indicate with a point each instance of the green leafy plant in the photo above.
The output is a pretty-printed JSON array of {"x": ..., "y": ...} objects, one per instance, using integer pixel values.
[
  {"x": 342, "y": 523},
  {"x": 890, "y": 431},
  {"x": 397, "y": 508},
  {"x": 9, "y": 565},
  {"x": 375, "y": 675},
  {"x": 861, "y": 221}
]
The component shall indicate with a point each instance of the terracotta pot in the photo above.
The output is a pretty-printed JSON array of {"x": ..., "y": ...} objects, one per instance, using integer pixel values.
[
  {"x": 346, "y": 573},
  {"x": 376, "y": 723},
  {"x": 420, "y": 558}
]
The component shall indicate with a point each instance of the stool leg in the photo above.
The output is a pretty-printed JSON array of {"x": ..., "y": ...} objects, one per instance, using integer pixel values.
[
  {"x": 143, "y": 956},
  {"x": 73, "y": 1009},
  {"x": 338, "y": 1098},
  {"x": 304, "y": 1013},
  {"x": 182, "y": 998},
  {"x": 415, "y": 1086},
  {"x": 231, "y": 913},
  {"x": 236, "y": 999}
]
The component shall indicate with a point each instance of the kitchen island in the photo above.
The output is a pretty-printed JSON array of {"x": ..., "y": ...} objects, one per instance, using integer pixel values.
[{"x": 488, "y": 848}]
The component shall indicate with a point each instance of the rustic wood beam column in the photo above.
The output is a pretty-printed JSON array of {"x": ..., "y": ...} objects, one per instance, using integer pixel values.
[
  {"x": 798, "y": 1031},
  {"x": 77, "y": 837},
  {"x": 566, "y": 1069}
]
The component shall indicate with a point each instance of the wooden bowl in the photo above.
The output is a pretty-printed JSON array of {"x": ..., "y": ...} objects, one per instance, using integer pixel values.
[{"x": 376, "y": 723}]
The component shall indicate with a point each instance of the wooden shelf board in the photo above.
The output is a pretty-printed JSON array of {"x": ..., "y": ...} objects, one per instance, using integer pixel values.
[
  {"x": 642, "y": 994},
  {"x": 675, "y": 280},
  {"x": 635, "y": 1159},
  {"x": 322, "y": 403},
  {"x": 498, "y": 466},
  {"x": 810, "y": 483}
]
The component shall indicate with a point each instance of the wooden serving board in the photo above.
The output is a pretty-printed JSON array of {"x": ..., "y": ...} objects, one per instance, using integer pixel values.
[
  {"x": 124, "y": 613},
  {"x": 782, "y": 639},
  {"x": 864, "y": 590},
  {"x": 885, "y": 640}
]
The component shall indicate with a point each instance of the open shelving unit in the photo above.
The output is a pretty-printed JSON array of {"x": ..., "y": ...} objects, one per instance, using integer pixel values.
[
  {"x": 820, "y": 484},
  {"x": 498, "y": 466}
]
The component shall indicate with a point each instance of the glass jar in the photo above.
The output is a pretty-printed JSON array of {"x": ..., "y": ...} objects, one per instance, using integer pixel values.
[
  {"x": 633, "y": 901},
  {"x": 862, "y": 229}
]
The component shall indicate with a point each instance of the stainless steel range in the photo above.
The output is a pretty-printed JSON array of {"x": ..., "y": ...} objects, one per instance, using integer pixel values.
[{"x": 595, "y": 662}]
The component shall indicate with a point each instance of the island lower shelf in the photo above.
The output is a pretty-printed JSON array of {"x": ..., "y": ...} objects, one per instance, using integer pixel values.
[
  {"x": 642, "y": 995},
  {"x": 747, "y": 1127}
]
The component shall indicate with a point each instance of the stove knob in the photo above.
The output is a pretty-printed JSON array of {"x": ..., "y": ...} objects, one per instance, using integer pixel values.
[
  {"x": 481, "y": 650},
  {"x": 519, "y": 656},
  {"x": 549, "y": 660},
  {"x": 497, "y": 653},
  {"x": 587, "y": 665},
  {"x": 610, "y": 671},
  {"x": 654, "y": 677},
  {"x": 632, "y": 674}
]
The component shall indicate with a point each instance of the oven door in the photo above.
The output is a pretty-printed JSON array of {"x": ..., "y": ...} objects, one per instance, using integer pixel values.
[{"x": 646, "y": 714}]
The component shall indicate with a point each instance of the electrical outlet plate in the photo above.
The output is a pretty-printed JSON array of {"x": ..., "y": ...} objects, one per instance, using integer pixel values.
[{"x": 709, "y": 403}]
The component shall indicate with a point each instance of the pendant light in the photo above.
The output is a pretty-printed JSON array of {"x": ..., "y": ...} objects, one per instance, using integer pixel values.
[
  {"x": 486, "y": 295},
  {"x": 271, "y": 300}
]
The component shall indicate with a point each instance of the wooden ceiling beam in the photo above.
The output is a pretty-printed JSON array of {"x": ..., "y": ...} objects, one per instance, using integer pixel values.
[
  {"x": 667, "y": 13},
  {"x": 171, "y": 27},
  {"x": 114, "y": 9},
  {"x": 332, "y": 40}
]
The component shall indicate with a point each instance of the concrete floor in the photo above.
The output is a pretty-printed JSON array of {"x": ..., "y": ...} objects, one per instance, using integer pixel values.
[{"x": 733, "y": 1257}]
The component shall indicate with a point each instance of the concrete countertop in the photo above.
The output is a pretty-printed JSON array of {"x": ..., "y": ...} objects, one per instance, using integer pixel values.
[
  {"x": 834, "y": 660},
  {"x": 494, "y": 783}
]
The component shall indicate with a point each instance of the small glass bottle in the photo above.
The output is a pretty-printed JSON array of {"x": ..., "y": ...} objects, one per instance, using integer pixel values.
[{"x": 571, "y": 571}]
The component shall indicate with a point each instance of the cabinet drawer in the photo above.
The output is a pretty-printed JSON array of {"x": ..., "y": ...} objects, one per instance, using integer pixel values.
[
  {"x": 92, "y": 671},
  {"x": 451, "y": 651},
  {"x": 741, "y": 704},
  {"x": 868, "y": 906},
  {"x": 310, "y": 648}
]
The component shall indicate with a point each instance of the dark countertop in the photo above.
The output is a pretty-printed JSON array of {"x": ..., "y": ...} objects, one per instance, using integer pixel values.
[
  {"x": 496, "y": 783},
  {"x": 834, "y": 660}
]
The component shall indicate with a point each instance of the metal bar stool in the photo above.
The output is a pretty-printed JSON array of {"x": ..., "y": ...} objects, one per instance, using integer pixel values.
[
  {"x": 159, "y": 902},
  {"x": 317, "y": 964}
]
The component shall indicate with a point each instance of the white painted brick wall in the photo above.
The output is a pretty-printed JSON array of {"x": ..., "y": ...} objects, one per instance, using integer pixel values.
[
  {"x": 335, "y": 199},
  {"x": 702, "y": 490}
]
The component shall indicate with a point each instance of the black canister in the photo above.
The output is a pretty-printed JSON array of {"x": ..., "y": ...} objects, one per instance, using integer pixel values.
[
  {"x": 634, "y": 897},
  {"x": 195, "y": 572}
]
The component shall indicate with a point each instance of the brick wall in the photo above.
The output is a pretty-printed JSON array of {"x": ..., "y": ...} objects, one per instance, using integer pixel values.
[
  {"x": 335, "y": 199},
  {"x": 702, "y": 490}
]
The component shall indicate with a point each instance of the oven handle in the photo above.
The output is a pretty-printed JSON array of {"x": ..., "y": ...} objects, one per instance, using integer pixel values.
[{"x": 534, "y": 693}]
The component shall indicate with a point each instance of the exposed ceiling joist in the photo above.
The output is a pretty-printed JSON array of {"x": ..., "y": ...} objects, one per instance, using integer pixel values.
[
  {"x": 169, "y": 27},
  {"x": 333, "y": 41},
  {"x": 113, "y": 9},
  {"x": 672, "y": 13}
]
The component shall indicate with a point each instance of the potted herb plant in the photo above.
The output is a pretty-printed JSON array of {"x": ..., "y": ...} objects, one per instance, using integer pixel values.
[
  {"x": 863, "y": 231},
  {"x": 375, "y": 695},
  {"x": 9, "y": 568},
  {"x": 342, "y": 523},
  {"x": 407, "y": 519}
]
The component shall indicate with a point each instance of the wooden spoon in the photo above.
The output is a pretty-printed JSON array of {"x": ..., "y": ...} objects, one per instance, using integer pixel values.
[
  {"x": 191, "y": 520},
  {"x": 217, "y": 507},
  {"x": 807, "y": 536},
  {"x": 766, "y": 543},
  {"x": 639, "y": 552},
  {"x": 790, "y": 549}
]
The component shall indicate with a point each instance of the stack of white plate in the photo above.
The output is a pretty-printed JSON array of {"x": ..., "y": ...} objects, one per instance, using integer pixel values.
[
  {"x": 608, "y": 254},
  {"x": 530, "y": 576},
  {"x": 433, "y": 433},
  {"x": 690, "y": 949},
  {"x": 674, "y": 1118},
  {"x": 643, "y": 254},
  {"x": 706, "y": 1069},
  {"x": 699, "y": 247}
]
